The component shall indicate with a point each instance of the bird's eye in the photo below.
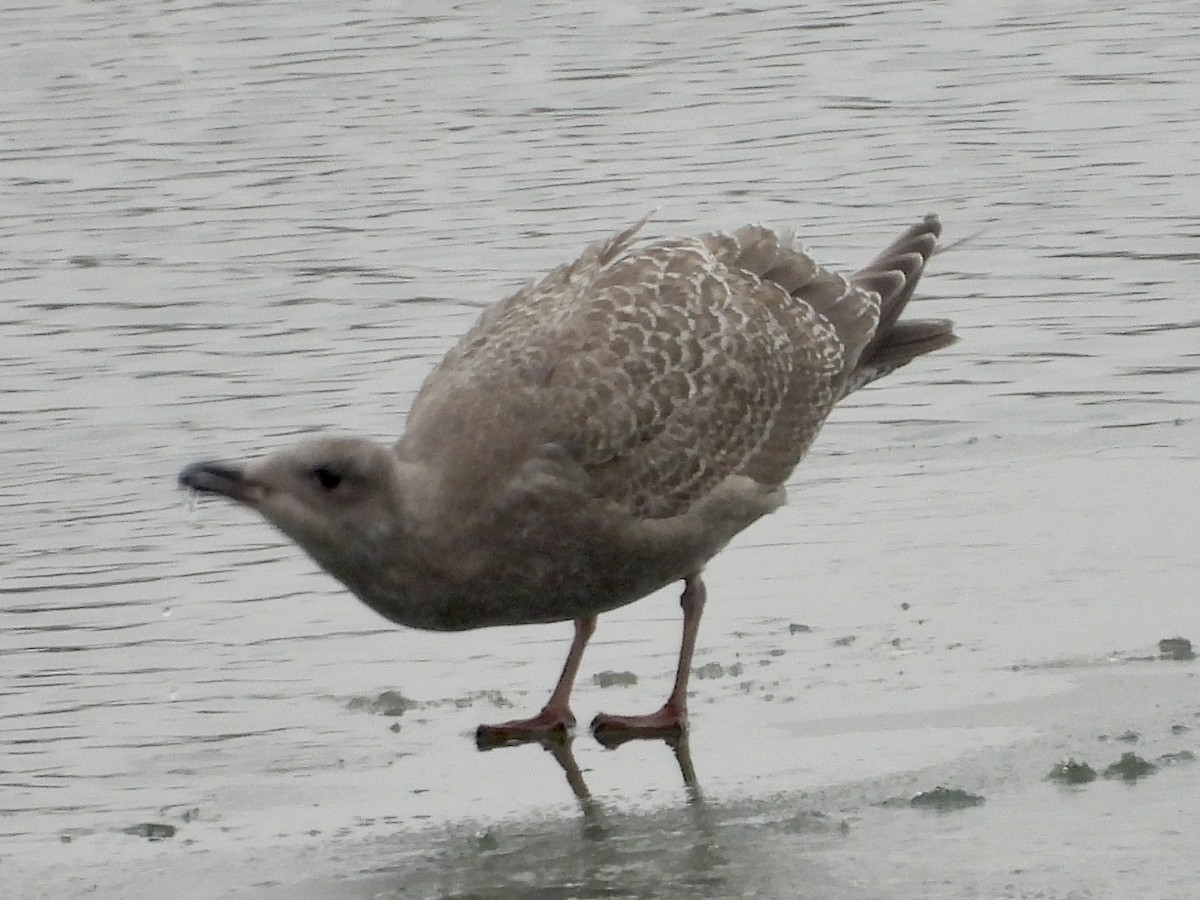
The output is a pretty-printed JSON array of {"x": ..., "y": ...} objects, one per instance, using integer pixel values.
[{"x": 328, "y": 478}]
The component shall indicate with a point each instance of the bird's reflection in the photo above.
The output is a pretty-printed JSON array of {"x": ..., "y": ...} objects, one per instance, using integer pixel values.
[{"x": 559, "y": 746}]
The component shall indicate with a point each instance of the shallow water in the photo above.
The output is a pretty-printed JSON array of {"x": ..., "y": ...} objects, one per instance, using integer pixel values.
[{"x": 226, "y": 225}]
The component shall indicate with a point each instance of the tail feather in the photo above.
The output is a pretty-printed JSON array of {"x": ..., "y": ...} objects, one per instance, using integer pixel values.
[
  {"x": 910, "y": 339},
  {"x": 906, "y": 257},
  {"x": 893, "y": 275}
]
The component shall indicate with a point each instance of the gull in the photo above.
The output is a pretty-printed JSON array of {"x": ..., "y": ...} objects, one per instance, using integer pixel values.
[{"x": 600, "y": 434}]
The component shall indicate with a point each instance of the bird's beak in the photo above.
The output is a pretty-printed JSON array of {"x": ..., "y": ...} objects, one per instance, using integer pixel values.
[{"x": 222, "y": 478}]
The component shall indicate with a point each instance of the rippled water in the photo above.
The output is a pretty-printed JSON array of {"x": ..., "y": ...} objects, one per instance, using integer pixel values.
[{"x": 224, "y": 225}]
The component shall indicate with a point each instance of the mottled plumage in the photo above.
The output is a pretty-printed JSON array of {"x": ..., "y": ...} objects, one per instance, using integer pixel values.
[{"x": 599, "y": 434}]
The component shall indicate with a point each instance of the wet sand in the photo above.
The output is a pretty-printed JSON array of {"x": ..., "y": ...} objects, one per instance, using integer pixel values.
[{"x": 221, "y": 223}]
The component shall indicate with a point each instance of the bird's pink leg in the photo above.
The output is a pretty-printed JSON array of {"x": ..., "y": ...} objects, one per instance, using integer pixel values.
[
  {"x": 672, "y": 718},
  {"x": 556, "y": 716}
]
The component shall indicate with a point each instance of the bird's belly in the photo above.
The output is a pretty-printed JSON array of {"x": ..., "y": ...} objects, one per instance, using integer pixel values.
[
  {"x": 539, "y": 591},
  {"x": 527, "y": 568},
  {"x": 510, "y": 581}
]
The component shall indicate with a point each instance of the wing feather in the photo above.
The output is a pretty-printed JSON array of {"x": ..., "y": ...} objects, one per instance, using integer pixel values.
[{"x": 660, "y": 371}]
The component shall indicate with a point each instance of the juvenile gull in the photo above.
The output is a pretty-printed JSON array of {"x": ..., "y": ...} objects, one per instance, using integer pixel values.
[{"x": 598, "y": 435}]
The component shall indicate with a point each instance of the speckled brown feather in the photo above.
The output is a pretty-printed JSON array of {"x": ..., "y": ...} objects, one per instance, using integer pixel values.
[{"x": 662, "y": 371}]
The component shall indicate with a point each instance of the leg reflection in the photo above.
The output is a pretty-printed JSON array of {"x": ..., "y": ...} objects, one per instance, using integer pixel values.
[
  {"x": 678, "y": 743},
  {"x": 558, "y": 745}
]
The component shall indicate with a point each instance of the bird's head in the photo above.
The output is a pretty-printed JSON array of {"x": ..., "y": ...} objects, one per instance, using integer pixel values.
[{"x": 339, "y": 498}]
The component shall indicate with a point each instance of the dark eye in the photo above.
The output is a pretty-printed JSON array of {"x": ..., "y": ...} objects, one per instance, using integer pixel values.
[{"x": 328, "y": 477}]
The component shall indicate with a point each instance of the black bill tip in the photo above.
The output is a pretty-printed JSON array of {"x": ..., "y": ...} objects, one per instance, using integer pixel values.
[{"x": 225, "y": 479}]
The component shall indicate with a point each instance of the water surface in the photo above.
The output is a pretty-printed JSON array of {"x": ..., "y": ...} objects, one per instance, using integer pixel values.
[{"x": 226, "y": 225}]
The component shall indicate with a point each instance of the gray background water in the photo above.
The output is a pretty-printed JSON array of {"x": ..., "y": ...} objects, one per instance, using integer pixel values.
[{"x": 225, "y": 225}]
